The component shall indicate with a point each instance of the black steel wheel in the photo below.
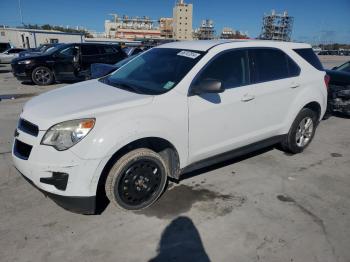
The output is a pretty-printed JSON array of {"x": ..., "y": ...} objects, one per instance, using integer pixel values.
[
  {"x": 42, "y": 76},
  {"x": 137, "y": 179}
]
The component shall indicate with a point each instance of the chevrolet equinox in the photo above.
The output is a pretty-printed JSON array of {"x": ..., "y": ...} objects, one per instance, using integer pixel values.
[{"x": 175, "y": 108}]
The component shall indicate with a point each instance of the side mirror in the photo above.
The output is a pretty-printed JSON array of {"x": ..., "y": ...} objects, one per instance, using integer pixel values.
[
  {"x": 207, "y": 86},
  {"x": 334, "y": 68}
]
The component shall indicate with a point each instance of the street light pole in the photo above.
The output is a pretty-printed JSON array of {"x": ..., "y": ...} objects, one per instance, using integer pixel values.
[{"x": 20, "y": 11}]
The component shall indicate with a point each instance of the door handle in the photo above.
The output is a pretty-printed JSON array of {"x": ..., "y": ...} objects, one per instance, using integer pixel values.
[
  {"x": 247, "y": 98},
  {"x": 294, "y": 85}
]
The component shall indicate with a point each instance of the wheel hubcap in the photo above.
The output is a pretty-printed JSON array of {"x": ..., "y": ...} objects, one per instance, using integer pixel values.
[
  {"x": 139, "y": 182},
  {"x": 304, "y": 132},
  {"x": 42, "y": 76}
]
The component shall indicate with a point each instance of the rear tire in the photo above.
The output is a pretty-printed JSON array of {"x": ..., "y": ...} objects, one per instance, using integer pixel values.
[
  {"x": 301, "y": 132},
  {"x": 42, "y": 76},
  {"x": 137, "y": 179}
]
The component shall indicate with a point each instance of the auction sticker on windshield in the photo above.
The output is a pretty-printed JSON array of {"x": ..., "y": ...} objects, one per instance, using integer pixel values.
[{"x": 189, "y": 54}]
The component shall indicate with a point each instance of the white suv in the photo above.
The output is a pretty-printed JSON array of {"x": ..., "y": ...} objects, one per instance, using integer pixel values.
[{"x": 174, "y": 108}]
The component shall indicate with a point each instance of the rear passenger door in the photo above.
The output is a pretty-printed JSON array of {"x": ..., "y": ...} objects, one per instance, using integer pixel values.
[
  {"x": 90, "y": 54},
  {"x": 111, "y": 54},
  {"x": 275, "y": 81}
]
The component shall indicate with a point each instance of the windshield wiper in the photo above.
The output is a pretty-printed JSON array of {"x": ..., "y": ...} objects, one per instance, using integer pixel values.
[
  {"x": 128, "y": 87},
  {"x": 121, "y": 85}
]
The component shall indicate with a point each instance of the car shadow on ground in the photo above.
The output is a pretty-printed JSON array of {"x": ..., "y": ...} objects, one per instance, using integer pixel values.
[
  {"x": 102, "y": 201},
  {"x": 224, "y": 163},
  {"x": 339, "y": 115},
  {"x": 5, "y": 71},
  {"x": 181, "y": 241}
]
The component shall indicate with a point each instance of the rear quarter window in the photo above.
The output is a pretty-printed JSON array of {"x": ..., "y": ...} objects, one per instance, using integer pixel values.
[{"x": 309, "y": 55}]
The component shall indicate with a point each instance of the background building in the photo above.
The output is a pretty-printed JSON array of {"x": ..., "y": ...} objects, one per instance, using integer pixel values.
[
  {"x": 206, "y": 31},
  {"x": 229, "y": 33},
  {"x": 277, "y": 26},
  {"x": 182, "y": 25},
  {"x": 31, "y": 38},
  {"x": 131, "y": 28},
  {"x": 166, "y": 27}
]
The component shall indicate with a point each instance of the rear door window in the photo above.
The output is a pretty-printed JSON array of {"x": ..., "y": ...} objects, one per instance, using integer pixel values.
[
  {"x": 309, "y": 55},
  {"x": 230, "y": 68},
  {"x": 89, "y": 50},
  {"x": 108, "y": 50},
  {"x": 269, "y": 64}
]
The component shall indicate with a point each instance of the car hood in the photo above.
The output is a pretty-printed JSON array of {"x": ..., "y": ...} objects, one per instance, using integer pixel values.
[{"x": 81, "y": 100}]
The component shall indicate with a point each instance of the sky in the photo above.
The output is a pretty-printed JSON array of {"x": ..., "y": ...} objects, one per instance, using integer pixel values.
[{"x": 314, "y": 21}]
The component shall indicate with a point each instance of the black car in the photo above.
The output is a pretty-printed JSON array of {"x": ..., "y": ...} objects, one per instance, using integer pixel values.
[
  {"x": 38, "y": 51},
  {"x": 66, "y": 62},
  {"x": 99, "y": 69},
  {"x": 133, "y": 50},
  {"x": 339, "y": 89}
]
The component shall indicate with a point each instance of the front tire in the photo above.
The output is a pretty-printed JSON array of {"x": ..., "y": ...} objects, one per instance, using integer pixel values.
[
  {"x": 42, "y": 76},
  {"x": 137, "y": 179},
  {"x": 302, "y": 131}
]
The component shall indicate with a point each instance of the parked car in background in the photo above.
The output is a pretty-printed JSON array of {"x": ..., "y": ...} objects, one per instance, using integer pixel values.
[
  {"x": 4, "y": 46},
  {"x": 339, "y": 89},
  {"x": 133, "y": 50},
  {"x": 66, "y": 62},
  {"x": 37, "y": 51},
  {"x": 7, "y": 56},
  {"x": 99, "y": 70},
  {"x": 172, "y": 109}
]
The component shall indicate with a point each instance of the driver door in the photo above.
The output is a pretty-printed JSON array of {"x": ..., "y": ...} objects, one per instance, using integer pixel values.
[
  {"x": 220, "y": 122},
  {"x": 63, "y": 66}
]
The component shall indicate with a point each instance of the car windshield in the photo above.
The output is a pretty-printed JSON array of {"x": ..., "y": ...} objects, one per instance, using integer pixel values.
[
  {"x": 53, "y": 49},
  {"x": 124, "y": 61},
  {"x": 344, "y": 67},
  {"x": 154, "y": 72},
  {"x": 42, "y": 48}
]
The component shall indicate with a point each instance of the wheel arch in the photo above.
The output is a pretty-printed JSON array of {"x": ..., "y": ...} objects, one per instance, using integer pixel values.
[
  {"x": 160, "y": 145},
  {"x": 314, "y": 106}
]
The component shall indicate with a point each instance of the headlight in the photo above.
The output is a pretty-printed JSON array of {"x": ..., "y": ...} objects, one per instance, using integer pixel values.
[
  {"x": 66, "y": 134},
  {"x": 24, "y": 62}
]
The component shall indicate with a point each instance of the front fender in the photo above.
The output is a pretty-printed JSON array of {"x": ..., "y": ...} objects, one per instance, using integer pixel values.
[{"x": 115, "y": 130}]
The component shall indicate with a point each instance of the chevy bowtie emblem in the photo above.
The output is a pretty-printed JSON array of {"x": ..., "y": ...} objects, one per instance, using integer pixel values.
[{"x": 16, "y": 133}]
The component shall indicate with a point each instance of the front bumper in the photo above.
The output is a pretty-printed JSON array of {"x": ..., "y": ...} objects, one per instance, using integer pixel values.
[
  {"x": 80, "y": 205},
  {"x": 61, "y": 175},
  {"x": 339, "y": 105},
  {"x": 21, "y": 72}
]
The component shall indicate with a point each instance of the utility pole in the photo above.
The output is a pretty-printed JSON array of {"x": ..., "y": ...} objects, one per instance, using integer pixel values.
[{"x": 20, "y": 11}]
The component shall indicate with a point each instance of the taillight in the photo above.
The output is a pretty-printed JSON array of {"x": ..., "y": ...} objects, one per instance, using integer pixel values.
[{"x": 327, "y": 78}]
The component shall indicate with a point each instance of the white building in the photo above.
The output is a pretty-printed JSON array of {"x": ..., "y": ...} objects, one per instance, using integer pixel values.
[{"x": 31, "y": 38}]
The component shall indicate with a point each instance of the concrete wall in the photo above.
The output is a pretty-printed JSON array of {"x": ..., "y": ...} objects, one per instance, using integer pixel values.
[{"x": 33, "y": 38}]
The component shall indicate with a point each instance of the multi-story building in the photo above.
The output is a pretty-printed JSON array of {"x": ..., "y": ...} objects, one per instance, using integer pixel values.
[
  {"x": 131, "y": 28},
  {"x": 229, "y": 33},
  {"x": 182, "y": 24},
  {"x": 277, "y": 27},
  {"x": 206, "y": 30},
  {"x": 166, "y": 27}
]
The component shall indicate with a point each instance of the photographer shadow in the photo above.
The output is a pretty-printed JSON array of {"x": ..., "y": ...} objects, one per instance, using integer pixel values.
[{"x": 181, "y": 241}]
